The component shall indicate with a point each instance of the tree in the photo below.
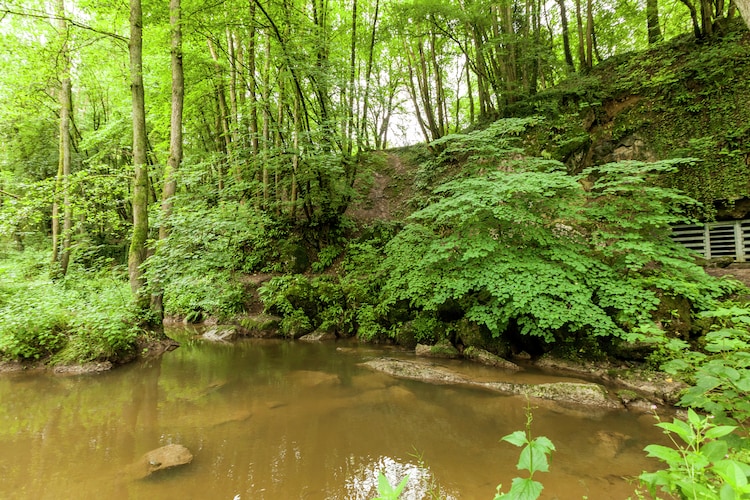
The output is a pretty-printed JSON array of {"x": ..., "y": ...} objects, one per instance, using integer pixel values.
[
  {"x": 60, "y": 262},
  {"x": 652, "y": 21},
  {"x": 138, "y": 250},
  {"x": 744, "y": 7}
]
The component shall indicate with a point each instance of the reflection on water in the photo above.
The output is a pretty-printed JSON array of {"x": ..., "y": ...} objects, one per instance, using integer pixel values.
[{"x": 283, "y": 420}]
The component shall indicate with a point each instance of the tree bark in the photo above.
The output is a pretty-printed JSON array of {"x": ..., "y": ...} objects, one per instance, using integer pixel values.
[
  {"x": 744, "y": 7},
  {"x": 652, "y": 21},
  {"x": 63, "y": 174},
  {"x": 138, "y": 252},
  {"x": 566, "y": 35},
  {"x": 175, "y": 123}
]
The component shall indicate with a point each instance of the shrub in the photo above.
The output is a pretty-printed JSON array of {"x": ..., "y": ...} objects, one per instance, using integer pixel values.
[{"x": 519, "y": 248}]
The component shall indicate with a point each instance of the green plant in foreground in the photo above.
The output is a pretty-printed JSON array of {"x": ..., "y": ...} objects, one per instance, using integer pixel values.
[
  {"x": 534, "y": 458},
  {"x": 388, "y": 492},
  {"x": 701, "y": 466}
]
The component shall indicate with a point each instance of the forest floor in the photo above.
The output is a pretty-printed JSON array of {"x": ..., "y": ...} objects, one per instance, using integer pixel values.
[{"x": 739, "y": 270}]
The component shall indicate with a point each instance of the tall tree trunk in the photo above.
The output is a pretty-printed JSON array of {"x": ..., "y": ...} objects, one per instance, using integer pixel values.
[
  {"x": 744, "y": 7},
  {"x": 138, "y": 251},
  {"x": 63, "y": 173},
  {"x": 349, "y": 139},
  {"x": 566, "y": 36},
  {"x": 652, "y": 21},
  {"x": 693, "y": 17},
  {"x": 362, "y": 138},
  {"x": 581, "y": 44},
  {"x": 175, "y": 124},
  {"x": 589, "y": 34},
  {"x": 175, "y": 136}
]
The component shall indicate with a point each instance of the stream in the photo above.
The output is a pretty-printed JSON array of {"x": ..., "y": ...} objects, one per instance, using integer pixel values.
[{"x": 291, "y": 420}]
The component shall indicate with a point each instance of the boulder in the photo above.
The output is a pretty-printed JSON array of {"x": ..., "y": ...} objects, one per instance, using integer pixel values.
[
  {"x": 588, "y": 394},
  {"x": 443, "y": 349},
  {"x": 487, "y": 358},
  {"x": 166, "y": 457},
  {"x": 318, "y": 336},
  {"x": 260, "y": 326},
  {"x": 220, "y": 334}
]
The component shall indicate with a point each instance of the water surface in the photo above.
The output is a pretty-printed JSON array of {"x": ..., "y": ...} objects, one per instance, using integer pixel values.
[{"x": 289, "y": 420}]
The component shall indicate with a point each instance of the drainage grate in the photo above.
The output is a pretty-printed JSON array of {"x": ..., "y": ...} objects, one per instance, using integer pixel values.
[{"x": 717, "y": 239}]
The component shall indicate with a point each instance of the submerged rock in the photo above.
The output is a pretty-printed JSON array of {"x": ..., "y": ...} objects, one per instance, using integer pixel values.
[
  {"x": 568, "y": 392},
  {"x": 166, "y": 457}
]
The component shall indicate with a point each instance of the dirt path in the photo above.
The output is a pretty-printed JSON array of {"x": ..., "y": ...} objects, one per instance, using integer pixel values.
[{"x": 388, "y": 195}]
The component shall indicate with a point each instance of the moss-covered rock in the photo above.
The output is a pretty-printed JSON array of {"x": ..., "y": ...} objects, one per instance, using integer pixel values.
[
  {"x": 479, "y": 355},
  {"x": 443, "y": 349}
]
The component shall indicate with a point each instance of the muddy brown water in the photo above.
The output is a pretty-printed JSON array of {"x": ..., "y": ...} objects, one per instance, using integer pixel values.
[{"x": 289, "y": 420}]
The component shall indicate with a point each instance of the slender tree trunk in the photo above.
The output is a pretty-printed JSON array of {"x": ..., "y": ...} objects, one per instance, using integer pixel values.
[
  {"x": 581, "y": 44},
  {"x": 175, "y": 137},
  {"x": 63, "y": 174},
  {"x": 566, "y": 36},
  {"x": 362, "y": 138},
  {"x": 589, "y": 34},
  {"x": 652, "y": 21},
  {"x": 175, "y": 125},
  {"x": 349, "y": 139},
  {"x": 693, "y": 17},
  {"x": 138, "y": 251}
]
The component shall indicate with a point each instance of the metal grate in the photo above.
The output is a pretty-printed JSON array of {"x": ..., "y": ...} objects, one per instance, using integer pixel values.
[{"x": 717, "y": 239}]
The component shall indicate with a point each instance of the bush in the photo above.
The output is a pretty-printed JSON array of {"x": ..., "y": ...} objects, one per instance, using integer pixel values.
[
  {"x": 84, "y": 317},
  {"x": 522, "y": 246},
  {"x": 196, "y": 266}
]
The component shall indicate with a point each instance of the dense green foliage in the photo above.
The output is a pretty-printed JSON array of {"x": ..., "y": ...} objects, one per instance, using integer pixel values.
[{"x": 85, "y": 317}]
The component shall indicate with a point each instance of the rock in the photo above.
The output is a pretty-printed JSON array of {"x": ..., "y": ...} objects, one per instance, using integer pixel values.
[
  {"x": 574, "y": 392},
  {"x": 443, "y": 349},
  {"x": 487, "y": 358},
  {"x": 609, "y": 443},
  {"x": 260, "y": 326},
  {"x": 93, "y": 367},
  {"x": 220, "y": 335},
  {"x": 568, "y": 392},
  {"x": 166, "y": 457},
  {"x": 312, "y": 378},
  {"x": 318, "y": 336},
  {"x": 416, "y": 370}
]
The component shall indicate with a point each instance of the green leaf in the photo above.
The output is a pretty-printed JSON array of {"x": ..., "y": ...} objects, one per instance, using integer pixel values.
[
  {"x": 678, "y": 427},
  {"x": 731, "y": 472},
  {"x": 517, "y": 438},
  {"x": 719, "y": 431},
  {"x": 715, "y": 450},
  {"x": 525, "y": 489},
  {"x": 664, "y": 453}
]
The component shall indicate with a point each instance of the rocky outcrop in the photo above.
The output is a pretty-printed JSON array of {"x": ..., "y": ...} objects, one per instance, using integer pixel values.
[{"x": 579, "y": 393}]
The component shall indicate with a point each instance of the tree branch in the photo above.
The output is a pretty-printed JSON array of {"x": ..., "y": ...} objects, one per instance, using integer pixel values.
[{"x": 6, "y": 11}]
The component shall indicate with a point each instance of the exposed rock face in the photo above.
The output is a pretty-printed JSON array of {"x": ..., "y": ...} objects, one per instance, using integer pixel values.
[
  {"x": 568, "y": 392},
  {"x": 166, "y": 457}
]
